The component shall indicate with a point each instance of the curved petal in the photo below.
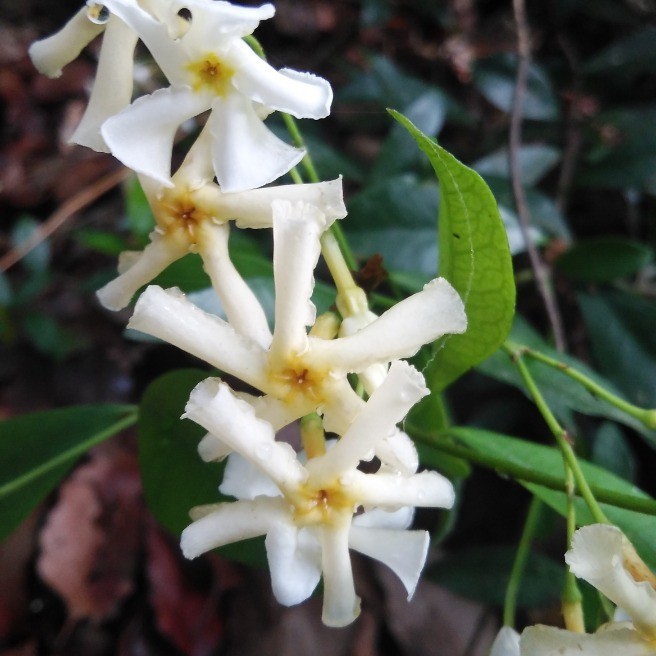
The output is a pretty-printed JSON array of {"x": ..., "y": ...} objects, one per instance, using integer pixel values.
[
  {"x": 389, "y": 519},
  {"x": 387, "y": 406},
  {"x": 167, "y": 52},
  {"x": 157, "y": 255},
  {"x": 398, "y": 333},
  {"x": 341, "y": 405},
  {"x": 399, "y": 452},
  {"x": 294, "y": 557},
  {"x": 51, "y": 54},
  {"x": 243, "y": 480},
  {"x": 428, "y": 489},
  {"x": 112, "y": 88},
  {"x": 197, "y": 170},
  {"x": 550, "y": 641},
  {"x": 506, "y": 643},
  {"x": 242, "y": 308},
  {"x": 232, "y": 522},
  {"x": 213, "y": 405},
  {"x": 296, "y": 231},
  {"x": 213, "y": 449},
  {"x": 602, "y": 556},
  {"x": 341, "y": 605},
  {"x": 404, "y": 552},
  {"x": 141, "y": 136},
  {"x": 302, "y": 95},
  {"x": 252, "y": 209},
  {"x": 168, "y": 315},
  {"x": 246, "y": 154}
]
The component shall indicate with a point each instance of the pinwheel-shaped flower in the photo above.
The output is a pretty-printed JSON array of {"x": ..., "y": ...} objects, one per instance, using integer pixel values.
[
  {"x": 307, "y": 511},
  {"x": 209, "y": 66},
  {"x": 193, "y": 216},
  {"x": 112, "y": 89},
  {"x": 301, "y": 373},
  {"x": 603, "y": 556}
]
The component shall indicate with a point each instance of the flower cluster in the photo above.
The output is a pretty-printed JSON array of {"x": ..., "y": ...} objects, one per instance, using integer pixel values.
[
  {"x": 315, "y": 504},
  {"x": 603, "y": 556}
]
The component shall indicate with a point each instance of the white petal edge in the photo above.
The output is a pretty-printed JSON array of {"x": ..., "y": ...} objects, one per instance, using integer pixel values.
[
  {"x": 243, "y": 480},
  {"x": 170, "y": 316},
  {"x": 112, "y": 88},
  {"x": 404, "y": 552},
  {"x": 213, "y": 449},
  {"x": 506, "y": 643},
  {"x": 51, "y": 54}
]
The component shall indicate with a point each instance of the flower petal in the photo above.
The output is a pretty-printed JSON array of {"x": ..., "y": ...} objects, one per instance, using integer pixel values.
[
  {"x": 242, "y": 308},
  {"x": 252, "y": 208},
  {"x": 341, "y": 405},
  {"x": 294, "y": 557},
  {"x": 232, "y": 522},
  {"x": 398, "y": 451},
  {"x": 341, "y": 605},
  {"x": 398, "y": 333},
  {"x": 157, "y": 255},
  {"x": 246, "y": 154},
  {"x": 599, "y": 556},
  {"x": 197, "y": 171},
  {"x": 213, "y": 405},
  {"x": 51, "y": 54},
  {"x": 296, "y": 231},
  {"x": 112, "y": 88},
  {"x": 213, "y": 449},
  {"x": 389, "y": 519},
  {"x": 404, "y": 552},
  {"x": 550, "y": 641},
  {"x": 301, "y": 94},
  {"x": 506, "y": 643},
  {"x": 243, "y": 480},
  {"x": 428, "y": 489},
  {"x": 389, "y": 404},
  {"x": 141, "y": 136},
  {"x": 168, "y": 315}
]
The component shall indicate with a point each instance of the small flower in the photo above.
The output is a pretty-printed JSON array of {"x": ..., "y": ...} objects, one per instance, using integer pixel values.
[
  {"x": 112, "y": 89},
  {"x": 602, "y": 556},
  {"x": 209, "y": 66},
  {"x": 300, "y": 373},
  {"x": 193, "y": 216},
  {"x": 307, "y": 511}
]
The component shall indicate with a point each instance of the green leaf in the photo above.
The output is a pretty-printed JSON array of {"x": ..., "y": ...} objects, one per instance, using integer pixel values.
[
  {"x": 101, "y": 241},
  {"x": 611, "y": 450},
  {"x": 627, "y": 57},
  {"x": 561, "y": 393},
  {"x": 535, "y": 161},
  {"x": 540, "y": 460},
  {"x": 474, "y": 258},
  {"x": 38, "y": 450},
  {"x": 37, "y": 259},
  {"x": 482, "y": 574},
  {"x": 621, "y": 330},
  {"x": 139, "y": 215},
  {"x": 175, "y": 479},
  {"x": 495, "y": 79},
  {"x": 604, "y": 259}
]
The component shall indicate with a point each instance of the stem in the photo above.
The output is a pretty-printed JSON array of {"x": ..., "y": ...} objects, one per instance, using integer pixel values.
[
  {"x": 571, "y": 599},
  {"x": 646, "y": 416},
  {"x": 562, "y": 439},
  {"x": 313, "y": 436},
  {"x": 523, "y": 550},
  {"x": 518, "y": 472}
]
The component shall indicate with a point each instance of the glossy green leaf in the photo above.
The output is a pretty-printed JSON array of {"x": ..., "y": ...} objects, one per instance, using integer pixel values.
[
  {"x": 482, "y": 574},
  {"x": 612, "y": 451},
  {"x": 561, "y": 392},
  {"x": 604, "y": 259},
  {"x": 38, "y": 450},
  {"x": 622, "y": 330},
  {"x": 543, "y": 460},
  {"x": 474, "y": 258},
  {"x": 174, "y": 477}
]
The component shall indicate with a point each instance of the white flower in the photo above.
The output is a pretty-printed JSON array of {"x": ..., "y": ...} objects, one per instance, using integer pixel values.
[
  {"x": 193, "y": 215},
  {"x": 301, "y": 373},
  {"x": 209, "y": 66},
  {"x": 506, "y": 643},
  {"x": 112, "y": 88},
  {"x": 602, "y": 556},
  {"x": 307, "y": 511}
]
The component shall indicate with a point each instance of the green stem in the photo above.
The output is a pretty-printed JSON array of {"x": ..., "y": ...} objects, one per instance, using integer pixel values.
[
  {"x": 441, "y": 442},
  {"x": 523, "y": 550},
  {"x": 560, "y": 434},
  {"x": 646, "y": 416}
]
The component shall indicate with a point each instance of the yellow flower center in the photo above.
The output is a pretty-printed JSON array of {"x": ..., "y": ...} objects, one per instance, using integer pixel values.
[
  {"x": 178, "y": 213},
  {"x": 210, "y": 73},
  {"x": 296, "y": 380},
  {"x": 324, "y": 506}
]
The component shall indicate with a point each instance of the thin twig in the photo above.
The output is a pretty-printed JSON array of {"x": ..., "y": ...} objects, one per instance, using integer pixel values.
[
  {"x": 538, "y": 266},
  {"x": 64, "y": 212}
]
